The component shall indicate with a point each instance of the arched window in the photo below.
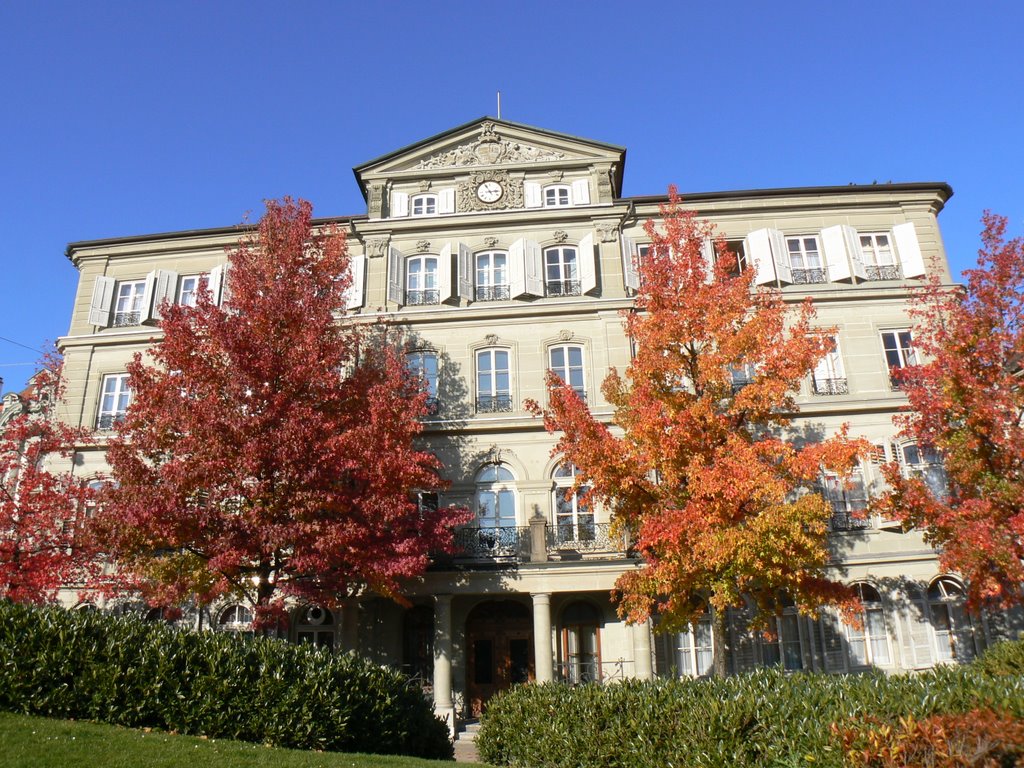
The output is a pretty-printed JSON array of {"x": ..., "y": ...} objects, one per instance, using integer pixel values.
[
  {"x": 235, "y": 618},
  {"x": 574, "y": 520},
  {"x": 492, "y": 278},
  {"x": 496, "y": 496},
  {"x": 952, "y": 626},
  {"x": 581, "y": 643},
  {"x": 421, "y": 286},
  {"x": 785, "y": 648},
  {"x": 315, "y": 625},
  {"x": 561, "y": 271},
  {"x": 869, "y": 644},
  {"x": 566, "y": 360}
]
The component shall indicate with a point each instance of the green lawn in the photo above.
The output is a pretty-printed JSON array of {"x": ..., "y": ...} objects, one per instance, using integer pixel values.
[{"x": 34, "y": 742}]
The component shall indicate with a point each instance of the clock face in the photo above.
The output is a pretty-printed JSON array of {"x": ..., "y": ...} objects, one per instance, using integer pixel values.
[{"x": 489, "y": 191}]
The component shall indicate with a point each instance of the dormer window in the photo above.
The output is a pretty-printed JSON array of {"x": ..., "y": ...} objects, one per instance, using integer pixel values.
[
  {"x": 424, "y": 205},
  {"x": 556, "y": 196}
]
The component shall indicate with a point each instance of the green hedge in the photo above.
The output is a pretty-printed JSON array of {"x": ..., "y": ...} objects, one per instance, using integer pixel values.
[
  {"x": 767, "y": 718},
  {"x": 123, "y": 671}
]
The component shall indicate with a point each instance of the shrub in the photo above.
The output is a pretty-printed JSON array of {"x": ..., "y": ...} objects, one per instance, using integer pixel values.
[
  {"x": 123, "y": 671},
  {"x": 1005, "y": 658},
  {"x": 767, "y": 718}
]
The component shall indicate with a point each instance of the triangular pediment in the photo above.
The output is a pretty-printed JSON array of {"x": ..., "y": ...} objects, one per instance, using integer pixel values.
[{"x": 489, "y": 143}]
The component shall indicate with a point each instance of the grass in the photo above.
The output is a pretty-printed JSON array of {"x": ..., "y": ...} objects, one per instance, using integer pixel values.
[{"x": 37, "y": 742}]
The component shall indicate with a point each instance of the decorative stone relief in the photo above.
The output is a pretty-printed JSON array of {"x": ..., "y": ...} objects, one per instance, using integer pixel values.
[
  {"x": 425, "y": 185},
  {"x": 511, "y": 197},
  {"x": 489, "y": 149},
  {"x": 491, "y": 338},
  {"x": 375, "y": 201},
  {"x": 422, "y": 246},
  {"x": 491, "y": 242},
  {"x": 607, "y": 231},
  {"x": 565, "y": 335},
  {"x": 494, "y": 454},
  {"x": 376, "y": 247},
  {"x": 560, "y": 236}
]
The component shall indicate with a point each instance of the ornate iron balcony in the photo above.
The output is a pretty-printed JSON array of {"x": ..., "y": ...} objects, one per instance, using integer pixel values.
[
  {"x": 486, "y": 543},
  {"x": 830, "y": 387},
  {"x": 122, "y": 319},
  {"x": 419, "y": 298},
  {"x": 884, "y": 272},
  {"x": 108, "y": 421},
  {"x": 493, "y": 293},
  {"x": 563, "y": 288},
  {"x": 499, "y": 403},
  {"x": 583, "y": 537},
  {"x": 813, "y": 275},
  {"x": 844, "y": 520}
]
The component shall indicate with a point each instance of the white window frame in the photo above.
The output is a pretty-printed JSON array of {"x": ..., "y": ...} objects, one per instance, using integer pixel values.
[
  {"x": 572, "y": 374},
  {"x": 128, "y": 301},
  {"x": 574, "y": 521},
  {"x": 493, "y": 398},
  {"x": 925, "y": 463},
  {"x": 235, "y": 618},
  {"x": 693, "y": 649},
  {"x": 562, "y": 274},
  {"x": 557, "y": 196},
  {"x": 491, "y": 492},
  {"x": 829, "y": 374},
  {"x": 957, "y": 638},
  {"x": 115, "y": 398},
  {"x": 898, "y": 354},
  {"x": 416, "y": 363},
  {"x": 189, "y": 287},
  {"x": 491, "y": 280},
  {"x": 848, "y": 497},
  {"x": 422, "y": 286},
  {"x": 423, "y": 205},
  {"x": 876, "y": 646},
  {"x": 806, "y": 259},
  {"x": 879, "y": 259},
  {"x": 581, "y": 644}
]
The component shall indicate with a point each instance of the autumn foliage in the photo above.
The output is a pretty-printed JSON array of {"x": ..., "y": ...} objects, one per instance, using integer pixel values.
[
  {"x": 967, "y": 401},
  {"x": 43, "y": 504},
  {"x": 268, "y": 451},
  {"x": 695, "y": 463}
]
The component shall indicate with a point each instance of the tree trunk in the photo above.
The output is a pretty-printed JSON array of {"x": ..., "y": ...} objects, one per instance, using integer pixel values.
[{"x": 719, "y": 647}]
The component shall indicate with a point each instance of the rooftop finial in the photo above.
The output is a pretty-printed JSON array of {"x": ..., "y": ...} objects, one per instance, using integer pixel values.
[{"x": 499, "y": 105}]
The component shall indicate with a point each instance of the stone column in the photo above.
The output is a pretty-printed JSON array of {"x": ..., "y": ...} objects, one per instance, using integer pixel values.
[
  {"x": 543, "y": 658},
  {"x": 642, "y": 667},
  {"x": 443, "y": 705}
]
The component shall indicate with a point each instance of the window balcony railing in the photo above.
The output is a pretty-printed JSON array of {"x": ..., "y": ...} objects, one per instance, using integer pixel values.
[
  {"x": 582, "y": 537},
  {"x": 883, "y": 272},
  {"x": 420, "y": 298},
  {"x": 515, "y": 543},
  {"x": 122, "y": 319},
  {"x": 107, "y": 421},
  {"x": 499, "y": 403},
  {"x": 845, "y": 520},
  {"x": 563, "y": 288},
  {"x": 896, "y": 380},
  {"x": 830, "y": 387},
  {"x": 492, "y": 543},
  {"x": 493, "y": 293},
  {"x": 812, "y": 275}
]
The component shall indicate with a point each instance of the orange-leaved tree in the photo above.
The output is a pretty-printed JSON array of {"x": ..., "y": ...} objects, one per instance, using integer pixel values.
[
  {"x": 696, "y": 463},
  {"x": 967, "y": 406},
  {"x": 268, "y": 452},
  {"x": 43, "y": 503}
]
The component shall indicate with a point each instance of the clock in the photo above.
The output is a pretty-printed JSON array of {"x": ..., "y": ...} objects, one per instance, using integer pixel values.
[{"x": 489, "y": 191}]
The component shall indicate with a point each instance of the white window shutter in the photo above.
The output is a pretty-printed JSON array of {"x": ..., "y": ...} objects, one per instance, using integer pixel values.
[
  {"x": 399, "y": 204},
  {"x": 444, "y": 272},
  {"x": 856, "y": 254},
  {"x": 355, "y": 295},
  {"x": 630, "y": 273},
  {"x": 758, "y": 248},
  {"x": 707, "y": 252},
  {"x": 588, "y": 264},
  {"x": 909, "y": 249},
  {"x": 147, "y": 299},
  {"x": 446, "y": 201},
  {"x": 102, "y": 301},
  {"x": 214, "y": 282},
  {"x": 164, "y": 283},
  {"x": 225, "y": 285},
  {"x": 467, "y": 273},
  {"x": 534, "y": 260},
  {"x": 837, "y": 261},
  {"x": 396, "y": 276},
  {"x": 781, "y": 256},
  {"x": 919, "y": 630},
  {"x": 531, "y": 194},
  {"x": 517, "y": 268},
  {"x": 581, "y": 192}
]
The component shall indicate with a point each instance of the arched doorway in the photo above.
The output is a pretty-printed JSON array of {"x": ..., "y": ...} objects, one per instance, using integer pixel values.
[{"x": 499, "y": 638}]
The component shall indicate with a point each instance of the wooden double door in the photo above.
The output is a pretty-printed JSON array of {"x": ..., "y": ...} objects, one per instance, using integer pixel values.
[{"x": 499, "y": 639}]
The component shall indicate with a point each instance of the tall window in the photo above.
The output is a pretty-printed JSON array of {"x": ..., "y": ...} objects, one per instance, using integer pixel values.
[
  {"x": 496, "y": 497},
  {"x": 829, "y": 376},
  {"x": 899, "y": 353},
  {"x": 115, "y": 397},
  {"x": 492, "y": 276},
  {"x": 235, "y": 618},
  {"x": 848, "y": 498},
  {"x": 925, "y": 463},
  {"x": 566, "y": 360},
  {"x": 556, "y": 196},
  {"x": 805, "y": 260},
  {"x": 741, "y": 375},
  {"x": 581, "y": 648},
  {"x": 493, "y": 394},
  {"x": 422, "y": 364},
  {"x": 190, "y": 285},
  {"x": 561, "y": 270},
  {"x": 574, "y": 519},
  {"x": 314, "y": 625},
  {"x": 879, "y": 259},
  {"x": 952, "y": 626},
  {"x": 694, "y": 650},
  {"x": 128, "y": 307},
  {"x": 424, "y": 205},
  {"x": 421, "y": 281},
  {"x": 869, "y": 644},
  {"x": 785, "y": 648}
]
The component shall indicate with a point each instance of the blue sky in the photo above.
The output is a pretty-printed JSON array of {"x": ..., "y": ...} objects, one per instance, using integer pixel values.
[{"x": 121, "y": 118}]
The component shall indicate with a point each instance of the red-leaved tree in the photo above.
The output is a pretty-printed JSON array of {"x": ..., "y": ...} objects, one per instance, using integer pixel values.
[
  {"x": 43, "y": 505},
  {"x": 967, "y": 403},
  {"x": 268, "y": 451},
  {"x": 695, "y": 463}
]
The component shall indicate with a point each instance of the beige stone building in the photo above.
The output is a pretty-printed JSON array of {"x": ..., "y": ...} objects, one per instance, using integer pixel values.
[{"x": 506, "y": 251}]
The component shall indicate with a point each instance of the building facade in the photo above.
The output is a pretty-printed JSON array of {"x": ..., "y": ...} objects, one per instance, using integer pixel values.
[{"x": 506, "y": 251}]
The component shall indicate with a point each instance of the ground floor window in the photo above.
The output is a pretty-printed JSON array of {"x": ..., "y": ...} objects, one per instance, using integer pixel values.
[
  {"x": 581, "y": 647},
  {"x": 315, "y": 626}
]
